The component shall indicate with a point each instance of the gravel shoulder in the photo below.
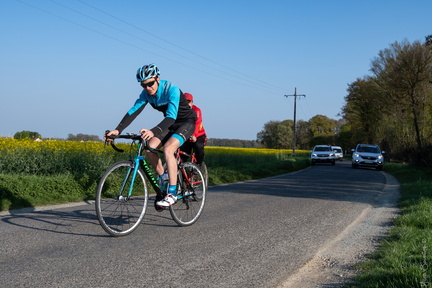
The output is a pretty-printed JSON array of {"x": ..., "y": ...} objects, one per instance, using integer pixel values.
[{"x": 333, "y": 265}]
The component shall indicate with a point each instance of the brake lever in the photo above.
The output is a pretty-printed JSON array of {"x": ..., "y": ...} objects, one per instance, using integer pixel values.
[
  {"x": 112, "y": 142},
  {"x": 105, "y": 137}
]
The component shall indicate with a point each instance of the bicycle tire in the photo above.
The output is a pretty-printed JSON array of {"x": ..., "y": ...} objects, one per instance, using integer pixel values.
[
  {"x": 191, "y": 195},
  {"x": 118, "y": 214},
  {"x": 204, "y": 171}
]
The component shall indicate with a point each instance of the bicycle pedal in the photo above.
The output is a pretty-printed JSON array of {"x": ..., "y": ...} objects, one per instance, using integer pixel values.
[{"x": 158, "y": 208}]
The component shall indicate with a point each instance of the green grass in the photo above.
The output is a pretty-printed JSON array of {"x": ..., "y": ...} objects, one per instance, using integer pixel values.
[
  {"x": 404, "y": 258},
  {"x": 19, "y": 191}
]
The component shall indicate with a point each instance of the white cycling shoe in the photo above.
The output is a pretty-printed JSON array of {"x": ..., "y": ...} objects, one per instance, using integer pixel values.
[{"x": 167, "y": 201}]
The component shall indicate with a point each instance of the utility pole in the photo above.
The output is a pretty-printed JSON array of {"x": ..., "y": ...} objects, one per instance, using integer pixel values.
[{"x": 295, "y": 108}]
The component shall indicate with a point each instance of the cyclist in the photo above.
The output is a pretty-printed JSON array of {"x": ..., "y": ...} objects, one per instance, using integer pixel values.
[
  {"x": 199, "y": 138},
  {"x": 176, "y": 127}
]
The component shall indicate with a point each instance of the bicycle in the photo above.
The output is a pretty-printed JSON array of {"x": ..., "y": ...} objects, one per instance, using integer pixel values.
[
  {"x": 122, "y": 193},
  {"x": 203, "y": 167}
]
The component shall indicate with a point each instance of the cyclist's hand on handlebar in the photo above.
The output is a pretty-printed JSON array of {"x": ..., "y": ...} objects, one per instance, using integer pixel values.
[
  {"x": 192, "y": 138},
  {"x": 111, "y": 133},
  {"x": 146, "y": 134}
]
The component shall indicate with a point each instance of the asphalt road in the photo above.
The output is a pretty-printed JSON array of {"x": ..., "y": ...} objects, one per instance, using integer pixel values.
[{"x": 251, "y": 234}]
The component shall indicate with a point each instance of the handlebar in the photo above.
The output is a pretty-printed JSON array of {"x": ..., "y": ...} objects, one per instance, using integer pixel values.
[{"x": 131, "y": 136}]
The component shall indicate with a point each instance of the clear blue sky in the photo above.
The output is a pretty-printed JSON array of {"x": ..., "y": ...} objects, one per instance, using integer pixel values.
[{"x": 69, "y": 66}]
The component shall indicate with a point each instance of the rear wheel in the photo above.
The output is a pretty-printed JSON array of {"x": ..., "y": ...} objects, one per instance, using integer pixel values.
[
  {"x": 191, "y": 195},
  {"x": 204, "y": 171},
  {"x": 118, "y": 213}
]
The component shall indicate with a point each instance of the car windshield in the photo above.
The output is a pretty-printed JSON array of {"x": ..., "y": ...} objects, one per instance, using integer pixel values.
[
  {"x": 368, "y": 149},
  {"x": 337, "y": 150},
  {"x": 324, "y": 148}
]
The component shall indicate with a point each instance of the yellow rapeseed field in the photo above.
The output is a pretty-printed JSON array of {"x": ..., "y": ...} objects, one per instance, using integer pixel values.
[
  {"x": 49, "y": 157},
  {"x": 10, "y": 144}
]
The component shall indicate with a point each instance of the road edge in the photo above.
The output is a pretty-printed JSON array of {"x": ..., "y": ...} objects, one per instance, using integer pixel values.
[{"x": 333, "y": 265}]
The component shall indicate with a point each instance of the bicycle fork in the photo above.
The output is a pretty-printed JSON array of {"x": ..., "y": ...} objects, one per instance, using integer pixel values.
[{"x": 129, "y": 178}]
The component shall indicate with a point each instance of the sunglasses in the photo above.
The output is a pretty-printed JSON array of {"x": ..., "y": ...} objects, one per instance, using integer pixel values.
[{"x": 149, "y": 84}]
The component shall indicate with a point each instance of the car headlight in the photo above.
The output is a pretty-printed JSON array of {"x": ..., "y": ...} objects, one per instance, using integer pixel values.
[
  {"x": 380, "y": 157},
  {"x": 356, "y": 154},
  {"x": 314, "y": 154}
]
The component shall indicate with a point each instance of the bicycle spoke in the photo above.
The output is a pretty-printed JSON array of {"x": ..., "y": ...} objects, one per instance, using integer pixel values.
[
  {"x": 191, "y": 197},
  {"x": 118, "y": 213}
]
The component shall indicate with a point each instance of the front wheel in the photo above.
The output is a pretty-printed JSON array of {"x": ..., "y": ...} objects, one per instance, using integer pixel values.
[
  {"x": 121, "y": 199},
  {"x": 191, "y": 195}
]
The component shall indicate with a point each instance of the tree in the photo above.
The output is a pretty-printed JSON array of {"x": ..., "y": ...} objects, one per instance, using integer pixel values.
[
  {"x": 428, "y": 40},
  {"x": 302, "y": 135},
  {"x": 393, "y": 107},
  {"x": 276, "y": 135},
  {"x": 83, "y": 137},
  {"x": 27, "y": 134},
  {"x": 222, "y": 142},
  {"x": 344, "y": 138},
  {"x": 404, "y": 72},
  {"x": 321, "y": 125},
  {"x": 363, "y": 109}
]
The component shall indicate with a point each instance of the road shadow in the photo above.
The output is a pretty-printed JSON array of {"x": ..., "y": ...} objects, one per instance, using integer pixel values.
[
  {"x": 321, "y": 181},
  {"x": 76, "y": 220}
]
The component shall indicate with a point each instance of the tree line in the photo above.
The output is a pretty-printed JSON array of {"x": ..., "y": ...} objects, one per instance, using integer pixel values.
[
  {"x": 391, "y": 107},
  {"x": 318, "y": 130},
  {"x": 25, "y": 134}
]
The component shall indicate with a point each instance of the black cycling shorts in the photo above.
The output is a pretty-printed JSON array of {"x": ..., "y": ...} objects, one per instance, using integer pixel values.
[{"x": 181, "y": 131}]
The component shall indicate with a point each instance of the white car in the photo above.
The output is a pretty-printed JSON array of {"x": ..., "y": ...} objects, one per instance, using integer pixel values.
[
  {"x": 338, "y": 152},
  {"x": 368, "y": 156},
  {"x": 322, "y": 154}
]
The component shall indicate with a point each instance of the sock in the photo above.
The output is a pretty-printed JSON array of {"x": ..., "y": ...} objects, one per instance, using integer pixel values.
[{"x": 172, "y": 189}]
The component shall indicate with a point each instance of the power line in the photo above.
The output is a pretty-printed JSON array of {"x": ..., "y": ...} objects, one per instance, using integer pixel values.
[
  {"x": 180, "y": 47},
  {"x": 129, "y": 44},
  {"x": 242, "y": 77}
]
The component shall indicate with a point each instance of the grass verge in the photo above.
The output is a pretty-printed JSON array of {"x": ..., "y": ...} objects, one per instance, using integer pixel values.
[
  {"x": 404, "y": 258},
  {"x": 21, "y": 191}
]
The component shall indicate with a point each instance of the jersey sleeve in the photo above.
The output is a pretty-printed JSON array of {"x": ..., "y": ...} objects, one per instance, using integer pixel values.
[{"x": 131, "y": 114}]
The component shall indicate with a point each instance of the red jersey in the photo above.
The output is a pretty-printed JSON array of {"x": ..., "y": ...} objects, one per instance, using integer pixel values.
[{"x": 199, "y": 128}]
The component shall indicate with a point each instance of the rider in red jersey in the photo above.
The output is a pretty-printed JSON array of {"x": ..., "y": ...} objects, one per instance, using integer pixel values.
[{"x": 199, "y": 137}]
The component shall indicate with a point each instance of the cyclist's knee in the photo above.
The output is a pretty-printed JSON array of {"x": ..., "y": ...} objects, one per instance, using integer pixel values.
[
  {"x": 171, "y": 146},
  {"x": 155, "y": 143}
]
